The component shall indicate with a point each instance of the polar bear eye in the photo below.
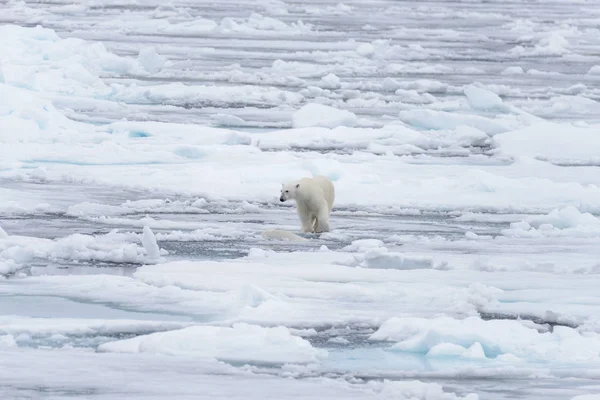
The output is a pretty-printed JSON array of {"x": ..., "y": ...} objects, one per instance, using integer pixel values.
[{"x": 287, "y": 191}]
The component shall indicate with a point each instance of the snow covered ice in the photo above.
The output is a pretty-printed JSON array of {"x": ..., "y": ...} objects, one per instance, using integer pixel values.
[{"x": 144, "y": 252}]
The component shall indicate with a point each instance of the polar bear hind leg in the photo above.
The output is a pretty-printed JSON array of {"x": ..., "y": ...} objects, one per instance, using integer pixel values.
[
  {"x": 322, "y": 223},
  {"x": 314, "y": 222}
]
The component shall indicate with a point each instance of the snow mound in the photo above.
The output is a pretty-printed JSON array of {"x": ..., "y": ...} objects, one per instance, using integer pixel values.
[
  {"x": 241, "y": 343},
  {"x": 562, "y": 144},
  {"x": 319, "y": 115},
  {"x": 503, "y": 339}
]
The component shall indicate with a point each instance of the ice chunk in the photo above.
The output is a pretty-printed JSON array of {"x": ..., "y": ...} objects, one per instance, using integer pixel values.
[
  {"x": 568, "y": 217},
  {"x": 488, "y": 339},
  {"x": 446, "y": 350},
  {"x": 259, "y": 23},
  {"x": 483, "y": 99},
  {"x": 39, "y": 327},
  {"x": 228, "y": 120},
  {"x": 188, "y": 134},
  {"x": 365, "y": 50},
  {"x": 513, "y": 71},
  {"x": 110, "y": 247},
  {"x": 283, "y": 235},
  {"x": 595, "y": 70},
  {"x": 382, "y": 259},
  {"x": 567, "y": 221},
  {"x": 416, "y": 390},
  {"x": 9, "y": 267},
  {"x": 391, "y": 84},
  {"x": 3, "y": 234},
  {"x": 151, "y": 60},
  {"x": 149, "y": 243},
  {"x": 557, "y": 143},
  {"x": 7, "y": 341},
  {"x": 475, "y": 351},
  {"x": 241, "y": 343},
  {"x": 431, "y": 119},
  {"x": 330, "y": 81},
  {"x": 363, "y": 245},
  {"x": 319, "y": 115}
]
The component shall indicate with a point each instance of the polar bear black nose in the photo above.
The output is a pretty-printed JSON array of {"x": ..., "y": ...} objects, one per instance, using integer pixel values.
[{"x": 281, "y": 199}]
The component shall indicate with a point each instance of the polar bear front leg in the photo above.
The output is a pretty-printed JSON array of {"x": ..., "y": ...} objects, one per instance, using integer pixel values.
[{"x": 306, "y": 221}]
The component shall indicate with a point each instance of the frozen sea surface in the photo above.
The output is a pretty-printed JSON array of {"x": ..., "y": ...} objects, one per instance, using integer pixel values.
[{"x": 142, "y": 150}]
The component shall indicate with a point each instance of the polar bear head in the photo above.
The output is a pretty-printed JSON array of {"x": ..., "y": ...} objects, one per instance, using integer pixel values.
[{"x": 288, "y": 191}]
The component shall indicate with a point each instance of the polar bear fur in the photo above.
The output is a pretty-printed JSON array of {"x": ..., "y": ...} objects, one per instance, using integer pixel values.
[{"x": 314, "y": 200}]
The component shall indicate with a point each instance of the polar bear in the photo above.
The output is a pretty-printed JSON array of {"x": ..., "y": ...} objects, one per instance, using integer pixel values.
[{"x": 314, "y": 200}]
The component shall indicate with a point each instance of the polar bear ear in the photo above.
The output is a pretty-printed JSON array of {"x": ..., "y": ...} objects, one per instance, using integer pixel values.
[{"x": 297, "y": 186}]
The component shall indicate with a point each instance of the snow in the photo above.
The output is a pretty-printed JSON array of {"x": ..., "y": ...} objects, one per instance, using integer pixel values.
[
  {"x": 142, "y": 149},
  {"x": 318, "y": 115},
  {"x": 240, "y": 343}
]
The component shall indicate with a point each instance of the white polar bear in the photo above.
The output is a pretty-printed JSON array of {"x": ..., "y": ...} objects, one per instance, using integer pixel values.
[{"x": 314, "y": 199}]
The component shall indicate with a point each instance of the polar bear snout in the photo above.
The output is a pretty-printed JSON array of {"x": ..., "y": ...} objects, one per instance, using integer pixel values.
[{"x": 281, "y": 199}]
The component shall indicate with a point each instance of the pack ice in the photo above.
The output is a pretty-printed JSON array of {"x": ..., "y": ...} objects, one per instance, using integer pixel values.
[{"x": 144, "y": 252}]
